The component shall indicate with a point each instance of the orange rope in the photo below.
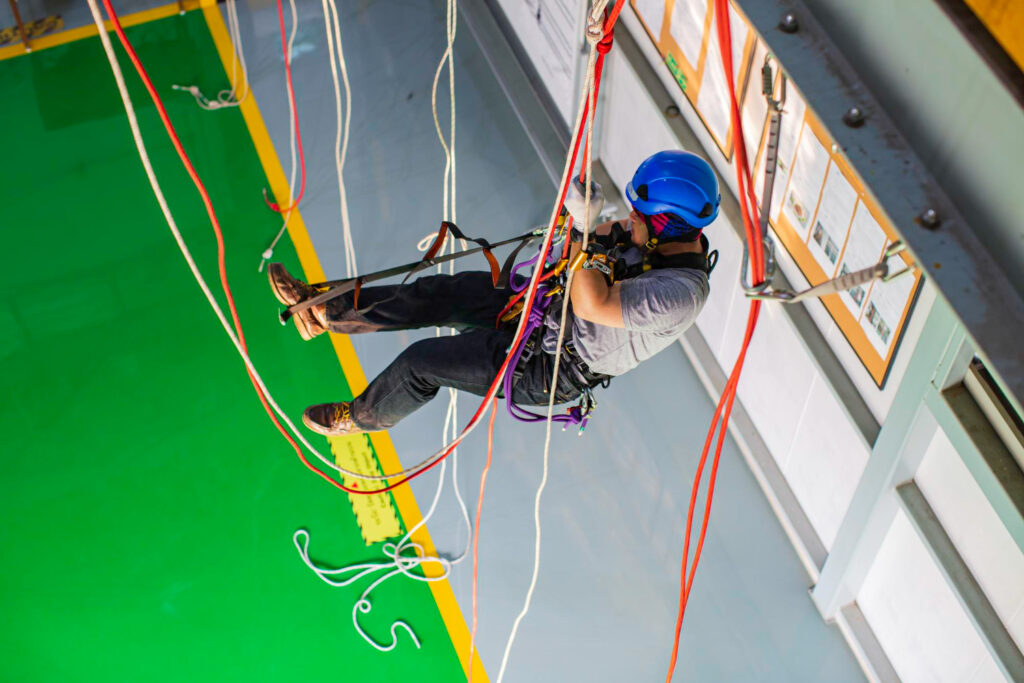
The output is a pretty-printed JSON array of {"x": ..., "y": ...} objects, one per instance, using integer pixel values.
[
  {"x": 720, "y": 419},
  {"x": 476, "y": 530}
]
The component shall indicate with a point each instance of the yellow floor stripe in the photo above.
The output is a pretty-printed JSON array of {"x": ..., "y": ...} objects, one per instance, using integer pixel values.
[
  {"x": 74, "y": 34},
  {"x": 442, "y": 590}
]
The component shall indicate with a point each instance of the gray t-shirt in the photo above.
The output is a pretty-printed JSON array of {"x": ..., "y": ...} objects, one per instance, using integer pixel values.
[{"x": 657, "y": 307}]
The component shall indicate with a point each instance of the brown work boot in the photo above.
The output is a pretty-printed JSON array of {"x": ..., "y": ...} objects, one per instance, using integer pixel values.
[
  {"x": 289, "y": 291},
  {"x": 331, "y": 419}
]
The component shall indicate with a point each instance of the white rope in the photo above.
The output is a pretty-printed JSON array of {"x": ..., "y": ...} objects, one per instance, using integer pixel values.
[
  {"x": 226, "y": 98},
  {"x": 343, "y": 125},
  {"x": 587, "y": 94},
  {"x": 268, "y": 253},
  {"x": 450, "y": 429}
]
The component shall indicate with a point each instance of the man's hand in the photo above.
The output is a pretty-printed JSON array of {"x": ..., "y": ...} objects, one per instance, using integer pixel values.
[{"x": 576, "y": 205}]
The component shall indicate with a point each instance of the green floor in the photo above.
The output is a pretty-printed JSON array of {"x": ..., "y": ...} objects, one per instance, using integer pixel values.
[{"x": 147, "y": 504}]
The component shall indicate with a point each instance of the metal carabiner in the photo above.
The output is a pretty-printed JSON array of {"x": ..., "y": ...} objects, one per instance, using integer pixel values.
[{"x": 768, "y": 248}]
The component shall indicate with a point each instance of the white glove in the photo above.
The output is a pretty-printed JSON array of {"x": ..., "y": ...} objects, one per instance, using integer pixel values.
[{"x": 576, "y": 205}]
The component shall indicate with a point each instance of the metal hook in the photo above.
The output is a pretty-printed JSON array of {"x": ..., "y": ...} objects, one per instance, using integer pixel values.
[{"x": 892, "y": 250}]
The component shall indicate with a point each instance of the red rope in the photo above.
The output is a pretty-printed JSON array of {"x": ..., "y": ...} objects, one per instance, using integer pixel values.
[
  {"x": 720, "y": 419},
  {"x": 298, "y": 133}
]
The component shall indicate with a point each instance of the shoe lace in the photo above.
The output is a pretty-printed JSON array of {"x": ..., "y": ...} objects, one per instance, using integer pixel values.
[{"x": 342, "y": 414}]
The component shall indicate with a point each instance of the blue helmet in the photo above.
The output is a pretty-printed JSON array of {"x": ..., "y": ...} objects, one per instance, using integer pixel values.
[{"x": 678, "y": 183}]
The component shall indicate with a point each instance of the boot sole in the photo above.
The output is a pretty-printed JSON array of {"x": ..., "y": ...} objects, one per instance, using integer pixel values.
[{"x": 306, "y": 330}]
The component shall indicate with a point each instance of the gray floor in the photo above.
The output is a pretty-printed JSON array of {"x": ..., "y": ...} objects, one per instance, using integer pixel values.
[{"x": 614, "y": 508}]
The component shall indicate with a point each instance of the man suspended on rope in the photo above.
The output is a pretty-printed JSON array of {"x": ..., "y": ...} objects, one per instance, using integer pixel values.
[{"x": 639, "y": 289}]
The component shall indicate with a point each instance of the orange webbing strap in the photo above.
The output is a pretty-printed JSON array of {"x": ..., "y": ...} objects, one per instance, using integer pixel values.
[{"x": 355, "y": 293}]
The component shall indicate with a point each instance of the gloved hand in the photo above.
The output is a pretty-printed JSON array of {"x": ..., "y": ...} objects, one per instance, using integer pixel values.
[{"x": 576, "y": 205}]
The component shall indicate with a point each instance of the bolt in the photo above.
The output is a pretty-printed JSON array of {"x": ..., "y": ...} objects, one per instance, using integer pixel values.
[
  {"x": 854, "y": 117},
  {"x": 929, "y": 219},
  {"x": 671, "y": 111},
  {"x": 789, "y": 23}
]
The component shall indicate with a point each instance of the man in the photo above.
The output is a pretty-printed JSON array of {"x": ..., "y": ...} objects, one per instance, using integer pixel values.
[{"x": 612, "y": 327}]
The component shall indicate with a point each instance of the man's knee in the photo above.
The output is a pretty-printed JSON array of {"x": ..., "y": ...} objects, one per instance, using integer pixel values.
[{"x": 418, "y": 363}]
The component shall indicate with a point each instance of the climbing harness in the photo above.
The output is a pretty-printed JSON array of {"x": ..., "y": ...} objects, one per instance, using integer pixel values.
[{"x": 764, "y": 290}]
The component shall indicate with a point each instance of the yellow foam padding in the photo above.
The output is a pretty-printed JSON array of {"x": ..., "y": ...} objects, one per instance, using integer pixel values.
[
  {"x": 74, "y": 34},
  {"x": 33, "y": 29},
  {"x": 382, "y": 445},
  {"x": 375, "y": 514}
]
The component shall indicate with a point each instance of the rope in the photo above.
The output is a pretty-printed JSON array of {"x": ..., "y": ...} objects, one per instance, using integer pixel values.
[
  {"x": 476, "y": 535},
  {"x": 342, "y": 135},
  {"x": 723, "y": 410},
  {"x": 295, "y": 134},
  {"x": 226, "y": 98},
  {"x": 398, "y": 562},
  {"x": 600, "y": 43}
]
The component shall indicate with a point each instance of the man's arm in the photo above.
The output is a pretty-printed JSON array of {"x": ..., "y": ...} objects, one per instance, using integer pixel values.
[{"x": 592, "y": 298}]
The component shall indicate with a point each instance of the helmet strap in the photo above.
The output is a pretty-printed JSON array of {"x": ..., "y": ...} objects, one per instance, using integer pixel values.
[{"x": 652, "y": 241}]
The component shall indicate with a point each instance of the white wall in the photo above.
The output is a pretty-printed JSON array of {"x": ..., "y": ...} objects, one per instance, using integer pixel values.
[
  {"x": 977, "y": 532},
  {"x": 916, "y": 617},
  {"x": 549, "y": 30}
]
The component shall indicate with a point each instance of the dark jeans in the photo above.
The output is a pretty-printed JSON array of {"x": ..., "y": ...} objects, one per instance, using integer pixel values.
[{"x": 468, "y": 361}]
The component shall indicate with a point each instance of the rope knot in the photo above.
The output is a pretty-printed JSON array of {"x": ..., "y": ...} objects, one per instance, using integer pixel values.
[
  {"x": 605, "y": 44},
  {"x": 595, "y": 28}
]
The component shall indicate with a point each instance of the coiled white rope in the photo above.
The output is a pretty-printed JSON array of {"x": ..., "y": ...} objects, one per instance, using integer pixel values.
[
  {"x": 229, "y": 97},
  {"x": 268, "y": 253},
  {"x": 587, "y": 96},
  {"x": 399, "y": 562}
]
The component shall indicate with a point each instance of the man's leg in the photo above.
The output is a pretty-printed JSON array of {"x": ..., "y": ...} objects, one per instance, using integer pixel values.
[
  {"x": 467, "y": 362},
  {"x": 465, "y": 300}
]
